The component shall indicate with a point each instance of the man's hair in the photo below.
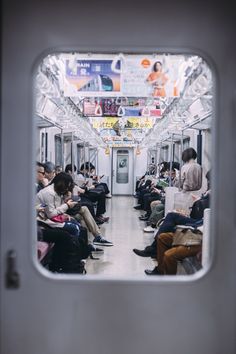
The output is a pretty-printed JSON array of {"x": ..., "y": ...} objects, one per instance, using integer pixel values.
[
  {"x": 69, "y": 168},
  {"x": 39, "y": 164},
  {"x": 49, "y": 167}
]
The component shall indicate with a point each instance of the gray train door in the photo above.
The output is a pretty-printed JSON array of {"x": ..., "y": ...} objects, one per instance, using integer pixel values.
[
  {"x": 74, "y": 314},
  {"x": 122, "y": 171}
]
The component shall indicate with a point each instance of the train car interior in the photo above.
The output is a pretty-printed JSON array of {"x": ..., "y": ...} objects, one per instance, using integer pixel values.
[{"x": 123, "y": 120}]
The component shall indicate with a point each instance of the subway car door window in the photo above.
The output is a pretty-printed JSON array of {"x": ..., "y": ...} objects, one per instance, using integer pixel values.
[{"x": 123, "y": 165}]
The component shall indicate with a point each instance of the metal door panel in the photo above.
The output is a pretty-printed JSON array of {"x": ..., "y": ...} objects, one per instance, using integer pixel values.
[
  {"x": 122, "y": 171},
  {"x": 73, "y": 315}
]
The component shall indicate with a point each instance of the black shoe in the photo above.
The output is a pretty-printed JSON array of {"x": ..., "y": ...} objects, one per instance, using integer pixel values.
[
  {"x": 138, "y": 207},
  {"x": 144, "y": 218},
  {"x": 98, "y": 221},
  {"x": 154, "y": 271},
  {"x": 145, "y": 253}
]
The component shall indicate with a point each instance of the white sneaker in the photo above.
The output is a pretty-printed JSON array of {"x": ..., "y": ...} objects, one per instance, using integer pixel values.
[
  {"x": 108, "y": 195},
  {"x": 148, "y": 229}
]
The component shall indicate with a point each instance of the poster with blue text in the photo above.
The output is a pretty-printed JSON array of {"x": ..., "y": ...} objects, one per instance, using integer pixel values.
[{"x": 92, "y": 77}]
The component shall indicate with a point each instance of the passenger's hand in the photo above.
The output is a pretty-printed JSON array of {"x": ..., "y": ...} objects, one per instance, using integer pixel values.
[
  {"x": 195, "y": 197},
  {"x": 71, "y": 203},
  {"x": 67, "y": 196},
  {"x": 91, "y": 187},
  {"x": 45, "y": 181},
  {"x": 182, "y": 212}
]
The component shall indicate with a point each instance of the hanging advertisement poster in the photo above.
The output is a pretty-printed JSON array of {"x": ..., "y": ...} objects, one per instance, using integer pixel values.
[
  {"x": 151, "y": 76},
  {"x": 142, "y": 122},
  {"x": 89, "y": 107},
  {"x": 92, "y": 77},
  {"x": 104, "y": 123},
  {"x": 116, "y": 123}
]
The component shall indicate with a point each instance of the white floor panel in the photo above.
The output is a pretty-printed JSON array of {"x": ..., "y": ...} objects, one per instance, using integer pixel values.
[{"x": 125, "y": 230}]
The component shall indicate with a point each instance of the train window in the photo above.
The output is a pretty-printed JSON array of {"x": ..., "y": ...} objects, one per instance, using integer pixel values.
[{"x": 120, "y": 133}]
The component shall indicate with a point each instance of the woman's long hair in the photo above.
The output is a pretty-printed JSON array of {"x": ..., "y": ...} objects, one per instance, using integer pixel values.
[{"x": 63, "y": 183}]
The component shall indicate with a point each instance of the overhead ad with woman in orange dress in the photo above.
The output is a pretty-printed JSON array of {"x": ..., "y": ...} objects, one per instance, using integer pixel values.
[{"x": 158, "y": 79}]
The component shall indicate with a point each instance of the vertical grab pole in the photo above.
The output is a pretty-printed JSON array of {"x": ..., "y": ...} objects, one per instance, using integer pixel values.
[
  {"x": 89, "y": 160},
  {"x": 171, "y": 158},
  {"x": 84, "y": 157},
  {"x": 72, "y": 155},
  {"x": 199, "y": 147},
  {"x": 156, "y": 160},
  {"x": 96, "y": 161},
  {"x": 62, "y": 151},
  {"x": 181, "y": 161},
  {"x": 160, "y": 148}
]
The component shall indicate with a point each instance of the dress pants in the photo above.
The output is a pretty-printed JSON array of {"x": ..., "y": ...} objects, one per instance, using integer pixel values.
[
  {"x": 88, "y": 203},
  {"x": 86, "y": 219},
  {"x": 147, "y": 199},
  {"x": 100, "y": 198},
  {"x": 168, "y": 256}
]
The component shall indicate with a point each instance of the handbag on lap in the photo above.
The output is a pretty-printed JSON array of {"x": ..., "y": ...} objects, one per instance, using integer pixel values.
[{"x": 187, "y": 237}]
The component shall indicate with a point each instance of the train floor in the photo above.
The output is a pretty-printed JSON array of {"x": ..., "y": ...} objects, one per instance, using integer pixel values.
[{"x": 125, "y": 230}]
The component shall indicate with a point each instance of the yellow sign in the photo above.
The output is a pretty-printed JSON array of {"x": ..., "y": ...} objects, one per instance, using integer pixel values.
[
  {"x": 140, "y": 122},
  {"x": 131, "y": 123}
]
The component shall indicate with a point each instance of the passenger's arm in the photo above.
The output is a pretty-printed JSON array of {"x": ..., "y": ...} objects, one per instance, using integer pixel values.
[{"x": 50, "y": 208}]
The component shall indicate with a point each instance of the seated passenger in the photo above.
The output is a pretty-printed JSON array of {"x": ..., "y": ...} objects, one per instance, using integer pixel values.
[
  {"x": 49, "y": 171},
  {"x": 139, "y": 183},
  {"x": 88, "y": 171},
  {"x": 174, "y": 218},
  {"x": 97, "y": 181},
  {"x": 58, "y": 169},
  {"x": 87, "y": 199},
  {"x": 56, "y": 201},
  {"x": 52, "y": 198},
  {"x": 143, "y": 189},
  {"x": 40, "y": 180},
  {"x": 96, "y": 195},
  {"x": 169, "y": 255},
  {"x": 155, "y": 193},
  {"x": 158, "y": 211}
]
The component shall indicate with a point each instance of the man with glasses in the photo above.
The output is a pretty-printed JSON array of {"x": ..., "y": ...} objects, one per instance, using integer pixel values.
[{"x": 40, "y": 177}]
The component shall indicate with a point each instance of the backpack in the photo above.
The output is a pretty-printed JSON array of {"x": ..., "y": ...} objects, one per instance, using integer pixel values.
[
  {"x": 199, "y": 206},
  {"x": 69, "y": 256},
  {"x": 80, "y": 244}
]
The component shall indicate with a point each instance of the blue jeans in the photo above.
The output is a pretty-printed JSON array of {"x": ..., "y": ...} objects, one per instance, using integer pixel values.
[{"x": 173, "y": 219}]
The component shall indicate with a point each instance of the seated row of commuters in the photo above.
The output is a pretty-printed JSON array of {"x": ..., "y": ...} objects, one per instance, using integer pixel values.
[
  {"x": 65, "y": 211},
  {"x": 152, "y": 200}
]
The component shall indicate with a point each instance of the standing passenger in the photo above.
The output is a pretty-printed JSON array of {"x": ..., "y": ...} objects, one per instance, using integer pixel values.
[{"x": 191, "y": 172}]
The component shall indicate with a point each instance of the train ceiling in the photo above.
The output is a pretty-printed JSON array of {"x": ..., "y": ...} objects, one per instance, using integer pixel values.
[{"x": 124, "y": 99}]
